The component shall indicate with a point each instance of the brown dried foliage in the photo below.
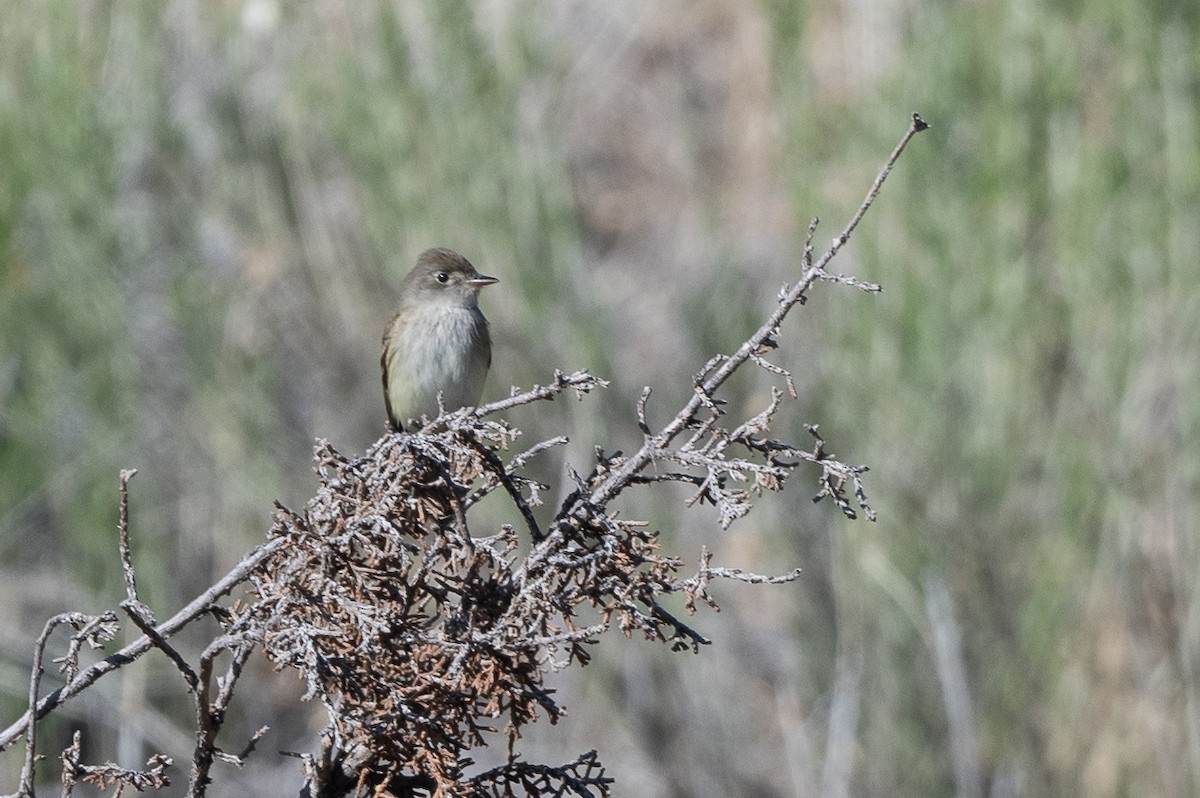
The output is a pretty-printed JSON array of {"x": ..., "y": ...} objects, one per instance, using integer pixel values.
[
  {"x": 415, "y": 635},
  {"x": 419, "y": 637}
]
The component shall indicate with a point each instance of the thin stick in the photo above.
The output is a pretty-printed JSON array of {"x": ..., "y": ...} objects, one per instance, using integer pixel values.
[
  {"x": 123, "y": 536},
  {"x": 918, "y": 124},
  {"x": 581, "y": 381},
  {"x": 35, "y": 679},
  {"x": 514, "y": 493}
]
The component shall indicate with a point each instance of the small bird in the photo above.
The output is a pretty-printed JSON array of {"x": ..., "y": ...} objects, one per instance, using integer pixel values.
[{"x": 438, "y": 340}]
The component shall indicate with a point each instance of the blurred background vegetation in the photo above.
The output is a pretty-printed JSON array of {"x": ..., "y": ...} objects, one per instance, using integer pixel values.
[{"x": 206, "y": 207}]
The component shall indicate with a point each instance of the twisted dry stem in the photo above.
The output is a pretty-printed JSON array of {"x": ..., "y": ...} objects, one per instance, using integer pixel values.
[{"x": 103, "y": 776}]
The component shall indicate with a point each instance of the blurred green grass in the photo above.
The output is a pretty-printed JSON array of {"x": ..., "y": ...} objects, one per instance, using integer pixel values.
[{"x": 205, "y": 209}]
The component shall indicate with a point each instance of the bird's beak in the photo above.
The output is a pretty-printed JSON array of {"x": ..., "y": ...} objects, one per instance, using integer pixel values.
[{"x": 480, "y": 280}]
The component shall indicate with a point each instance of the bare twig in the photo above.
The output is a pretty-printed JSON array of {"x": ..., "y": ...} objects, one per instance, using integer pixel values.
[
  {"x": 239, "y": 759},
  {"x": 806, "y": 260},
  {"x": 501, "y": 473},
  {"x": 853, "y": 282},
  {"x": 643, "y": 425},
  {"x": 210, "y": 715},
  {"x": 609, "y": 487},
  {"x": 35, "y": 679},
  {"x": 123, "y": 535},
  {"x": 96, "y": 633},
  {"x": 194, "y": 609},
  {"x": 918, "y": 124},
  {"x": 581, "y": 381},
  {"x": 102, "y": 776},
  {"x": 96, "y": 630}
]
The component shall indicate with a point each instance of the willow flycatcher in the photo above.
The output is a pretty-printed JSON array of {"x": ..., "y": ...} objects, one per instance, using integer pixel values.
[{"x": 438, "y": 342}]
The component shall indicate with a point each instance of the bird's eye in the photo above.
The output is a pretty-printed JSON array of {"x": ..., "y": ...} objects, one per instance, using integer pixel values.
[{"x": 442, "y": 277}]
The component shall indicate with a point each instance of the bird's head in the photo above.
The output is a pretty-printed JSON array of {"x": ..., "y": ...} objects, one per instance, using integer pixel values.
[{"x": 445, "y": 276}]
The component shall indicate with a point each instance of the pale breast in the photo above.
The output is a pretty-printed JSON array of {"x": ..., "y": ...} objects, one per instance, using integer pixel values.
[{"x": 439, "y": 348}]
